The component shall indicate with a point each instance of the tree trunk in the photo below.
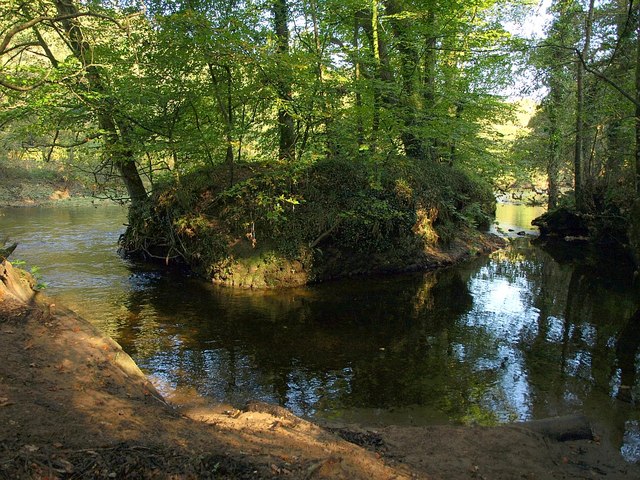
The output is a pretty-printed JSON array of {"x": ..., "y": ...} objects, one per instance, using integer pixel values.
[
  {"x": 637, "y": 105},
  {"x": 453, "y": 145},
  {"x": 580, "y": 123},
  {"x": 553, "y": 161},
  {"x": 429, "y": 79},
  {"x": 375, "y": 43},
  {"x": 226, "y": 111},
  {"x": 410, "y": 105},
  {"x": 383, "y": 76},
  {"x": 616, "y": 139},
  {"x": 553, "y": 166},
  {"x": 118, "y": 142},
  {"x": 578, "y": 180},
  {"x": 124, "y": 160},
  {"x": 286, "y": 127},
  {"x": 356, "y": 77}
]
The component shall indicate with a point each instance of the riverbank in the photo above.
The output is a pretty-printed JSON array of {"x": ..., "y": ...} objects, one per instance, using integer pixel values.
[
  {"x": 74, "y": 405},
  {"x": 28, "y": 183}
]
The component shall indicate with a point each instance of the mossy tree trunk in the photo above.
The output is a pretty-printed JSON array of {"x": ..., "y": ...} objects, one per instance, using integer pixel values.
[
  {"x": 429, "y": 77},
  {"x": 409, "y": 72}
]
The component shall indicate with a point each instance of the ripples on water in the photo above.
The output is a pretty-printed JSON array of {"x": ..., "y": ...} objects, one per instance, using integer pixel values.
[{"x": 519, "y": 335}]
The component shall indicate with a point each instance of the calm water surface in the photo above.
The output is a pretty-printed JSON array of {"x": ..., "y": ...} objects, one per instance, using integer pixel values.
[{"x": 518, "y": 335}]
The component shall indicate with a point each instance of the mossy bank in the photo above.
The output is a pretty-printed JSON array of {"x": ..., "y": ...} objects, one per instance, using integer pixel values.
[{"x": 260, "y": 227}]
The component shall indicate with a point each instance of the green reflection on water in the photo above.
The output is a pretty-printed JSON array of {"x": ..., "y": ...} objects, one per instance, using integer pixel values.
[{"x": 517, "y": 215}]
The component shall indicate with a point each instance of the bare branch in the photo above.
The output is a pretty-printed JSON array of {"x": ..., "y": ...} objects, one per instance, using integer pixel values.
[
  {"x": 56, "y": 144},
  {"x": 596, "y": 73},
  {"x": 20, "y": 46},
  {"x": 46, "y": 48}
]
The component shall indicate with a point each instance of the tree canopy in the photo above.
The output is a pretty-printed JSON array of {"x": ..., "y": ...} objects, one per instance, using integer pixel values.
[
  {"x": 150, "y": 90},
  {"x": 170, "y": 85}
]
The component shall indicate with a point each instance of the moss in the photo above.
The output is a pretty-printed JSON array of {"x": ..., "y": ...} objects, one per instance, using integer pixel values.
[{"x": 283, "y": 226}]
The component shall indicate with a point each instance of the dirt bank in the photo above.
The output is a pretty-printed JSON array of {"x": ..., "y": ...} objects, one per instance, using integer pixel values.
[{"x": 74, "y": 405}]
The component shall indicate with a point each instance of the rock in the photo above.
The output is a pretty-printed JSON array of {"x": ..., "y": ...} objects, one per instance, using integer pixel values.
[
  {"x": 562, "y": 223},
  {"x": 16, "y": 283},
  {"x": 562, "y": 429}
]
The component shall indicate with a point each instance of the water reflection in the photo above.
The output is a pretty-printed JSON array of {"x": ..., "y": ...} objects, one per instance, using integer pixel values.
[
  {"x": 510, "y": 337},
  {"x": 74, "y": 250},
  {"x": 525, "y": 333},
  {"x": 313, "y": 350}
]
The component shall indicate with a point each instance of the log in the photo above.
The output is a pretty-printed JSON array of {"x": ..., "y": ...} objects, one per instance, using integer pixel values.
[
  {"x": 6, "y": 251},
  {"x": 562, "y": 429}
]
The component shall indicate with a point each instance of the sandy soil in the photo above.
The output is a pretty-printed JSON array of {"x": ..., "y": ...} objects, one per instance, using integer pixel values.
[{"x": 74, "y": 405}]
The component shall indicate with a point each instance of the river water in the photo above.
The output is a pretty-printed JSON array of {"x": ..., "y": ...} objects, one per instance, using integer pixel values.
[{"x": 521, "y": 334}]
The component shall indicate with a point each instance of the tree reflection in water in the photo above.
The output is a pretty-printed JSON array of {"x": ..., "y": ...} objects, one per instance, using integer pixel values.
[{"x": 515, "y": 336}]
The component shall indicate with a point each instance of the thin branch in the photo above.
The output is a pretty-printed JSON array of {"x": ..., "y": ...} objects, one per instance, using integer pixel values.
[
  {"x": 20, "y": 46},
  {"x": 55, "y": 143},
  {"x": 622, "y": 35},
  {"x": 50, "y": 153},
  {"x": 20, "y": 88},
  {"x": 41, "y": 19},
  {"x": 607, "y": 80},
  {"x": 596, "y": 73},
  {"x": 46, "y": 48}
]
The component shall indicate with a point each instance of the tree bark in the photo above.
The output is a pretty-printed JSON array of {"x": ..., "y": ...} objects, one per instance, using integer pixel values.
[
  {"x": 225, "y": 106},
  {"x": 409, "y": 58},
  {"x": 375, "y": 43},
  {"x": 356, "y": 77},
  {"x": 383, "y": 75},
  {"x": 553, "y": 161},
  {"x": 124, "y": 159},
  {"x": 429, "y": 79}
]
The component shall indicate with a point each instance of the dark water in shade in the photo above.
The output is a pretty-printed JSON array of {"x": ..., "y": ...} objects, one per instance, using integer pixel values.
[{"x": 518, "y": 335}]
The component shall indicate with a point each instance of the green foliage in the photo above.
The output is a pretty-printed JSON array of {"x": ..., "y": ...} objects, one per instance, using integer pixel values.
[
  {"x": 34, "y": 270},
  {"x": 195, "y": 84},
  {"x": 298, "y": 139},
  {"x": 603, "y": 141}
]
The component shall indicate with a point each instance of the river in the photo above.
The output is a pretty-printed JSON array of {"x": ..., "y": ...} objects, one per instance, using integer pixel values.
[{"x": 520, "y": 334}]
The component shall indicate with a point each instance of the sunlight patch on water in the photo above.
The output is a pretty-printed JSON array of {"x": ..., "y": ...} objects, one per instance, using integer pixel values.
[
  {"x": 498, "y": 296},
  {"x": 631, "y": 444},
  {"x": 555, "y": 329}
]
